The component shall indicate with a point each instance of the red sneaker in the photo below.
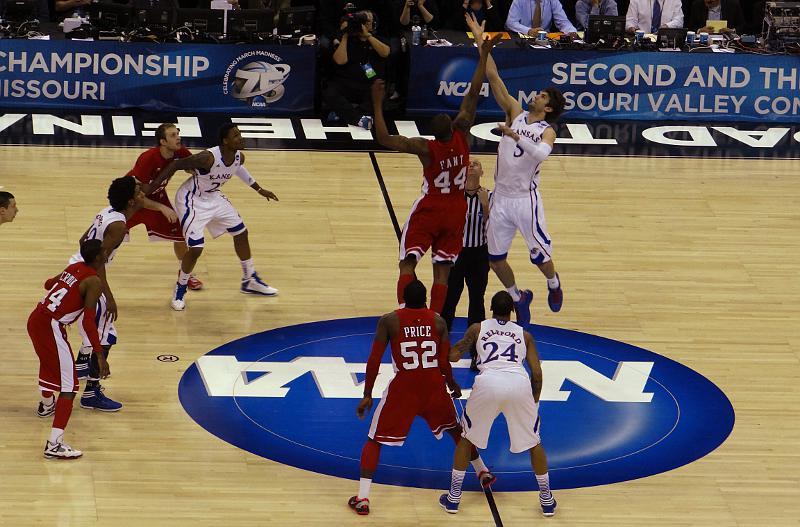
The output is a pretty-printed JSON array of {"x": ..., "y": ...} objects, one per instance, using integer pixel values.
[
  {"x": 195, "y": 284},
  {"x": 360, "y": 505}
]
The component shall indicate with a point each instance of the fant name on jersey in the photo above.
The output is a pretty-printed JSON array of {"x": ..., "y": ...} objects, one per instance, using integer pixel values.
[{"x": 451, "y": 162}]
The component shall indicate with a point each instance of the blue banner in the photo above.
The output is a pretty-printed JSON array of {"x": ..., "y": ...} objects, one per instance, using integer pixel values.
[
  {"x": 240, "y": 78},
  {"x": 618, "y": 85}
]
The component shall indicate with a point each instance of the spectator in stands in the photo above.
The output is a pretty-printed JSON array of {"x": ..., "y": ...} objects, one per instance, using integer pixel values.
[
  {"x": 331, "y": 11},
  {"x": 703, "y": 10},
  {"x": 482, "y": 9},
  {"x": 360, "y": 59},
  {"x": 423, "y": 12},
  {"x": 650, "y": 15},
  {"x": 528, "y": 17},
  {"x": 584, "y": 8}
]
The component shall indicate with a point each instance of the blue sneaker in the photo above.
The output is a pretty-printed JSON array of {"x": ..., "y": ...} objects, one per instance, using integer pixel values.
[
  {"x": 447, "y": 505},
  {"x": 549, "y": 510},
  {"x": 365, "y": 122},
  {"x": 177, "y": 303},
  {"x": 523, "y": 307},
  {"x": 256, "y": 286},
  {"x": 97, "y": 400},
  {"x": 555, "y": 297},
  {"x": 82, "y": 365}
]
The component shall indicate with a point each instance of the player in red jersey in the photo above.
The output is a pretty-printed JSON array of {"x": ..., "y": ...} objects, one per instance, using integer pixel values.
[
  {"x": 437, "y": 218},
  {"x": 73, "y": 292},
  {"x": 420, "y": 348},
  {"x": 162, "y": 225}
]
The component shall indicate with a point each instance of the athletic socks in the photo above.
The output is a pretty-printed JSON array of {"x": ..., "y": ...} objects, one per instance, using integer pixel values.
[
  {"x": 545, "y": 497},
  {"x": 553, "y": 283},
  {"x": 363, "y": 488},
  {"x": 47, "y": 400},
  {"x": 456, "y": 481},
  {"x": 248, "y": 268},
  {"x": 478, "y": 465},
  {"x": 514, "y": 292},
  {"x": 56, "y": 435},
  {"x": 438, "y": 295},
  {"x": 183, "y": 278},
  {"x": 402, "y": 282}
]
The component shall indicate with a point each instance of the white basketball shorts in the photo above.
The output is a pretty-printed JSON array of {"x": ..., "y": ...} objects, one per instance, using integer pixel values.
[
  {"x": 524, "y": 214},
  {"x": 198, "y": 211},
  {"x": 507, "y": 393}
]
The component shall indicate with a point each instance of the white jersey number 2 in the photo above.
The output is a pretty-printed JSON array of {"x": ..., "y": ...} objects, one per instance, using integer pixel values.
[{"x": 442, "y": 181}]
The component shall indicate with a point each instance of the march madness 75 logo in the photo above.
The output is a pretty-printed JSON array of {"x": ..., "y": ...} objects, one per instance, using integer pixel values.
[{"x": 256, "y": 78}]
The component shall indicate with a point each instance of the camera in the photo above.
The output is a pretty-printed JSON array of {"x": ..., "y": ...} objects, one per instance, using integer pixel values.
[{"x": 355, "y": 22}]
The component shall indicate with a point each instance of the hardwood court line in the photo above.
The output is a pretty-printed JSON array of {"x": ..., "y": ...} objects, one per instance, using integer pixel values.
[{"x": 385, "y": 192}]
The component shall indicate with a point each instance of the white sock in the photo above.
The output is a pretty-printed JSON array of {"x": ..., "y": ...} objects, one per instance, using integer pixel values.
[
  {"x": 47, "y": 401},
  {"x": 363, "y": 487},
  {"x": 478, "y": 465},
  {"x": 183, "y": 278},
  {"x": 248, "y": 268},
  {"x": 514, "y": 292},
  {"x": 56, "y": 435},
  {"x": 456, "y": 480},
  {"x": 553, "y": 283},
  {"x": 545, "y": 497}
]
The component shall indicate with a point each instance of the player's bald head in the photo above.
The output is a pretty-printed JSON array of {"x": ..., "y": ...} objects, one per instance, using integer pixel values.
[
  {"x": 442, "y": 127},
  {"x": 415, "y": 295}
]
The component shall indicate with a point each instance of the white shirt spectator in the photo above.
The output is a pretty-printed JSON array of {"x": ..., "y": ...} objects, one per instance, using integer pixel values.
[{"x": 640, "y": 14}]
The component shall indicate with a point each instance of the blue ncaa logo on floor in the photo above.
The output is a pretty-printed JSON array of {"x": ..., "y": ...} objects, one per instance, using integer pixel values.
[{"x": 610, "y": 411}]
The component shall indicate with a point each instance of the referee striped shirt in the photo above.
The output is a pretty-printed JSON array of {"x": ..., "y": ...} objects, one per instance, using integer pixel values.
[{"x": 475, "y": 228}]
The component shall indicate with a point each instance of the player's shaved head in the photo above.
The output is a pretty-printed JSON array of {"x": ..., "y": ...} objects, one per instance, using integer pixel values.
[
  {"x": 415, "y": 295},
  {"x": 502, "y": 304},
  {"x": 90, "y": 250},
  {"x": 5, "y": 199},
  {"x": 442, "y": 127}
]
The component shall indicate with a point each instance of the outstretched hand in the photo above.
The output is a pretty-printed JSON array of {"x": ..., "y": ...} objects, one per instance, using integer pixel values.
[
  {"x": 488, "y": 44},
  {"x": 506, "y": 130},
  {"x": 268, "y": 194},
  {"x": 473, "y": 25}
]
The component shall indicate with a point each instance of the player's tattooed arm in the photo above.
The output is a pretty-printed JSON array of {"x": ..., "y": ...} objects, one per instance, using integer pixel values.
[
  {"x": 202, "y": 160},
  {"x": 409, "y": 145},
  {"x": 466, "y": 343},
  {"x": 466, "y": 114},
  {"x": 536, "y": 368}
]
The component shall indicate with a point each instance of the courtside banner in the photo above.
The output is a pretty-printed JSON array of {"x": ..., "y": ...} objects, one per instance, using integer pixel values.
[
  {"x": 178, "y": 77},
  {"x": 618, "y": 85}
]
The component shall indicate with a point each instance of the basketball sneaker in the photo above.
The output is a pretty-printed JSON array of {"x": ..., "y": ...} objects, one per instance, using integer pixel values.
[
  {"x": 97, "y": 400},
  {"x": 82, "y": 364},
  {"x": 60, "y": 451},
  {"x": 46, "y": 410},
  {"x": 555, "y": 297},
  {"x": 549, "y": 510},
  {"x": 360, "y": 505},
  {"x": 194, "y": 283},
  {"x": 523, "y": 307},
  {"x": 177, "y": 302},
  {"x": 255, "y": 286},
  {"x": 486, "y": 478},
  {"x": 447, "y": 505}
]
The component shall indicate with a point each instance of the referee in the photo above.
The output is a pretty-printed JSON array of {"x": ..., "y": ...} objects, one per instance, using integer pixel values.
[{"x": 472, "y": 265}]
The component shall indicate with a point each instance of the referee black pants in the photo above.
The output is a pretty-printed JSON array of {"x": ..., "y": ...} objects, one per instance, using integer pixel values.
[{"x": 472, "y": 267}]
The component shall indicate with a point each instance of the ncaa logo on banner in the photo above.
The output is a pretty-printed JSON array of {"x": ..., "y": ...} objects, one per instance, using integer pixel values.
[
  {"x": 610, "y": 411},
  {"x": 256, "y": 78}
]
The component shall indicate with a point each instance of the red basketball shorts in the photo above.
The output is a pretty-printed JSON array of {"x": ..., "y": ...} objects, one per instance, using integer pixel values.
[
  {"x": 56, "y": 361},
  {"x": 435, "y": 223},
  {"x": 159, "y": 228}
]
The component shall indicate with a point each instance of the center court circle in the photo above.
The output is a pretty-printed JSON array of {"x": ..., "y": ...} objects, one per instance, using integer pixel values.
[{"x": 610, "y": 411}]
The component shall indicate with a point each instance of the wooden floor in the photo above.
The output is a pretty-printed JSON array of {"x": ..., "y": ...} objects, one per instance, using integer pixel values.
[{"x": 695, "y": 259}]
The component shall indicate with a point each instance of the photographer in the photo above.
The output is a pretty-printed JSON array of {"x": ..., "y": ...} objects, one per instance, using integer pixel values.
[
  {"x": 360, "y": 59},
  {"x": 426, "y": 11},
  {"x": 483, "y": 10}
]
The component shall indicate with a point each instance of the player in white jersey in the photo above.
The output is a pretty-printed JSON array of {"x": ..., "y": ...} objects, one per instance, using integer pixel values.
[
  {"x": 516, "y": 203},
  {"x": 502, "y": 386},
  {"x": 125, "y": 198},
  {"x": 201, "y": 205}
]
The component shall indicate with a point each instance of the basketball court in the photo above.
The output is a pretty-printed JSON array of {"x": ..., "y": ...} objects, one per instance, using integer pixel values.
[{"x": 694, "y": 259}]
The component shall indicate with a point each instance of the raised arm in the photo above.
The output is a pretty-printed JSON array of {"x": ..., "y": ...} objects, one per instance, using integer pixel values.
[
  {"x": 466, "y": 343},
  {"x": 509, "y": 104},
  {"x": 202, "y": 160},
  {"x": 536, "y": 368},
  {"x": 466, "y": 114},
  {"x": 412, "y": 145}
]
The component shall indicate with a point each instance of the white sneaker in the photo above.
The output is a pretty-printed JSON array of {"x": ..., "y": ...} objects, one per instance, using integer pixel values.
[
  {"x": 177, "y": 305},
  {"x": 256, "y": 286},
  {"x": 60, "y": 451}
]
